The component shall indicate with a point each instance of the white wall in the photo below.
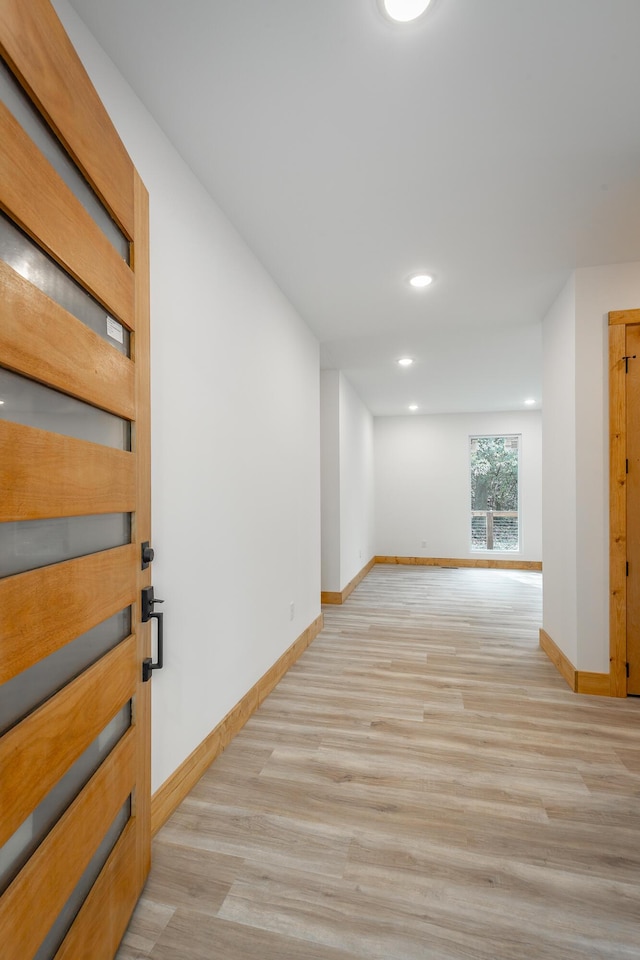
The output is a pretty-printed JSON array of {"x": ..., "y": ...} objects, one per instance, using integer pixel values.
[
  {"x": 559, "y": 473},
  {"x": 422, "y": 483},
  {"x": 330, "y": 479},
  {"x": 598, "y": 291},
  {"x": 235, "y": 434},
  {"x": 347, "y": 481},
  {"x": 576, "y": 458},
  {"x": 356, "y": 483}
]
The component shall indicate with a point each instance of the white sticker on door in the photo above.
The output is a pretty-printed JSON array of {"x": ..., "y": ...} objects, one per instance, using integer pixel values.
[{"x": 114, "y": 330}]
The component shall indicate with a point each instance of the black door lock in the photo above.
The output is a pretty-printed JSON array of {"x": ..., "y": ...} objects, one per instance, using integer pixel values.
[
  {"x": 148, "y": 613},
  {"x": 146, "y": 555}
]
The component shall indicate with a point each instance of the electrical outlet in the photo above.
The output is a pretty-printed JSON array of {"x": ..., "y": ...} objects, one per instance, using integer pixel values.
[{"x": 292, "y": 610}]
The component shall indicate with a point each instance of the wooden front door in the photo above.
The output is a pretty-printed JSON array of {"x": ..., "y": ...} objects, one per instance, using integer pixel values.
[{"x": 74, "y": 505}]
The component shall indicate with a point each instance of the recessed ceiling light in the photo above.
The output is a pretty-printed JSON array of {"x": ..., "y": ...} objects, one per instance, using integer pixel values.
[
  {"x": 405, "y": 10},
  {"x": 405, "y": 361},
  {"x": 413, "y": 406},
  {"x": 530, "y": 401},
  {"x": 420, "y": 280},
  {"x": 1, "y": 402}
]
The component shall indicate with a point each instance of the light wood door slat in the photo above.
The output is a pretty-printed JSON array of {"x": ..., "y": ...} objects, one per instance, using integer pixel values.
[
  {"x": 49, "y": 475},
  {"x": 34, "y": 43},
  {"x": 33, "y": 194},
  {"x": 32, "y": 902},
  {"x": 69, "y": 598},
  {"x": 102, "y": 921},
  {"x": 40, "y": 340},
  {"x": 36, "y": 753}
]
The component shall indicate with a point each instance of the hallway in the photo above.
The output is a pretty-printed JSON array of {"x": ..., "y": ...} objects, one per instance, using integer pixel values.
[{"x": 422, "y": 785}]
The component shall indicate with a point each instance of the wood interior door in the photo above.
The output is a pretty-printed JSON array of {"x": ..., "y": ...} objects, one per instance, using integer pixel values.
[
  {"x": 74, "y": 505},
  {"x": 632, "y": 389}
]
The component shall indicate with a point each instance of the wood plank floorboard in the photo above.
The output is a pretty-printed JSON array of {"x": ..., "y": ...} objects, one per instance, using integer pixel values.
[{"x": 421, "y": 785}]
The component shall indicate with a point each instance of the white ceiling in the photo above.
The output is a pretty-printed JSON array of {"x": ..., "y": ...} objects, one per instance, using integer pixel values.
[{"x": 494, "y": 144}]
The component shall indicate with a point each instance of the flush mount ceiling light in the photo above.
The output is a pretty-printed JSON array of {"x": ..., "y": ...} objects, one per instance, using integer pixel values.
[
  {"x": 413, "y": 406},
  {"x": 529, "y": 402},
  {"x": 420, "y": 280},
  {"x": 403, "y": 11},
  {"x": 405, "y": 362}
]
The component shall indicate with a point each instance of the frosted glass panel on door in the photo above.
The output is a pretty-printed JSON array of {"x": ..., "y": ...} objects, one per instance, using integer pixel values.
[
  {"x": 61, "y": 927},
  {"x": 32, "y": 263},
  {"x": 14, "y": 98},
  {"x": 17, "y": 850},
  {"x": 33, "y": 405},
  {"x": 29, "y": 689},
  {"x": 29, "y": 544}
]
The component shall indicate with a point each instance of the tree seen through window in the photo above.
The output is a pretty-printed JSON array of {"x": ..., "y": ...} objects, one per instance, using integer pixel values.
[{"x": 494, "y": 493}]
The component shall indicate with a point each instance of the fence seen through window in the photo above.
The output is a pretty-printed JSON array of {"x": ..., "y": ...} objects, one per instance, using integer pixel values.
[{"x": 494, "y": 493}]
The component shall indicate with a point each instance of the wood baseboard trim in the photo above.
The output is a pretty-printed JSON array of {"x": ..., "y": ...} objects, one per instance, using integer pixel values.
[
  {"x": 331, "y": 596},
  {"x": 561, "y": 662},
  {"x": 173, "y": 791},
  {"x": 580, "y": 681},
  {"x": 482, "y": 563},
  {"x": 595, "y": 684},
  {"x": 337, "y": 597}
]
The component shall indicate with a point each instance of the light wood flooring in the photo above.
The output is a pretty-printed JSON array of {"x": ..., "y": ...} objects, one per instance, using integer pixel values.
[{"x": 422, "y": 785}]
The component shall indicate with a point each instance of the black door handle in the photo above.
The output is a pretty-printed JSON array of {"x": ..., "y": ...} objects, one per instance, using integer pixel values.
[{"x": 148, "y": 613}]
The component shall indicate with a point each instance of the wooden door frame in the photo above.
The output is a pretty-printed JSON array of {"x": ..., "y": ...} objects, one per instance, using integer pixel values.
[
  {"x": 141, "y": 445},
  {"x": 618, "y": 321}
]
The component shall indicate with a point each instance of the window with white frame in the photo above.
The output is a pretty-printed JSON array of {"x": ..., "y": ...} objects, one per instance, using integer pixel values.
[{"x": 495, "y": 520}]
